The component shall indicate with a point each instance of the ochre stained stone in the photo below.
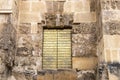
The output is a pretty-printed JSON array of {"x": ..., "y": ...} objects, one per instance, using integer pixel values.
[
  {"x": 40, "y": 77},
  {"x": 108, "y": 55},
  {"x": 84, "y": 63}
]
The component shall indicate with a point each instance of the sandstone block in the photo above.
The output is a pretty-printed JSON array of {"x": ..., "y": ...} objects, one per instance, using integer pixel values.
[
  {"x": 111, "y": 41},
  {"x": 65, "y": 75},
  {"x": 40, "y": 77},
  {"x": 84, "y": 28},
  {"x": 55, "y": 0},
  {"x": 83, "y": 46},
  {"x": 115, "y": 55},
  {"x": 76, "y": 6},
  {"x": 84, "y": 17},
  {"x": 24, "y": 6},
  {"x": 84, "y": 63},
  {"x": 33, "y": 6},
  {"x": 30, "y": 17},
  {"x": 108, "y": 55},
  {"x": 5, "y": 4},
  {"x": 3, "y": 18},
  {"x": 29, "y": 28}
]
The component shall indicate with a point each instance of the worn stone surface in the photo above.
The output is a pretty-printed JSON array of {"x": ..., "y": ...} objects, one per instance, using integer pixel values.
[
  {"x": 86, "y": 75},
  {"x": 95, "y": 38},
  {"x": 84, "y": 17},
  {"x": 72, "y": 6},
  {"x": 84, "y": 28},
  {"x": 112, "y": 28},
  {"x": 84, "y": 63},
  {"x": 6, "y": 4},
  {"x": 114, "y": 71},
  {"x": 83, "y": 45},
  {"x": 109, "y": 4},
  {"x": 57, "y": 75}
]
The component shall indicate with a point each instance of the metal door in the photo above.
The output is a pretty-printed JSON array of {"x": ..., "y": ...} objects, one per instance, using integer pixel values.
[{"x": 57, "y": 49}]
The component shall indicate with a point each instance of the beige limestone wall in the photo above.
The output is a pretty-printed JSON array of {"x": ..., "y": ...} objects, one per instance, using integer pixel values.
[
  {"x": 34, "y": 14},
  {"x": 110, "y": 22},
  {"x": 8, "y": 25},
  {"x": 111, "y": 48},
  {"x": 81, "y": 10},
  {"x": 32, "y": 11},
  {"x": 111, "y": 19}
]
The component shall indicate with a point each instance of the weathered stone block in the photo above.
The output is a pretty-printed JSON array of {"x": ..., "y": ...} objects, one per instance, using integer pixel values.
[
  {"x": 3, "y": 19},
  {"x": 27, "y": 64},
  {"x": 24, "y": 6},
  {"x": 18, "y": 76},
  {"x": 24, "y": 28},
  {"x": 65, "y": 75},
  {"x": 114, "y": 71},
  {"x": 115, "y": 56},
  {"x": 48, "y": 76},
  {"x": 54, "y": 7},
  {"x": 111, "y": 15},
  {"x": 83, "y": 45},
  {"x": 111, "y": 41},
  {"x": 30, "y": 28},
  {"x": 111, "y": 28},
  {"x": 40, "y": 77},
  {"x": 67, "y": 7},
  {"x": 57, "y": 75},
  {"x": 84, "y": 28},
  {"x": 33, "y": 6},
  {"x": 29, "y": 44},
  {"x": 110, "y": 5},
  {"x": 39, "y": 6},
  {"x": 5, "y": 4},
  {"x": 93, "y": 5},
  {"x": 85, "y": 17},
  {"x": 30, "y": 17},
  {"x": 108, "y": 55},
  {"x": 112, "y": 55},
  {"x": 2, "y": 66},
  {"x": 86, "y": 75},
  {"x": 76, "y": 6},
  {"x": 84, "y": 63}
]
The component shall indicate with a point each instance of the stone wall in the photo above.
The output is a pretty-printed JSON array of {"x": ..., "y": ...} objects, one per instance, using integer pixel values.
[
  {"x": 34, "y": 15},
  {"x": 8, "y": 25},
  {"x": 95, "y": 38},
  {"x": 110, "y": 30}
]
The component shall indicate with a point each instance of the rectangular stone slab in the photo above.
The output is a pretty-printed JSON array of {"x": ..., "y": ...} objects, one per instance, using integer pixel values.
[{"x": 84, "y": 63}]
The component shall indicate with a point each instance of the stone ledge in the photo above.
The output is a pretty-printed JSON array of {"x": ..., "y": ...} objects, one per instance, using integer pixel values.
[{"x": 6, "y": 11}]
